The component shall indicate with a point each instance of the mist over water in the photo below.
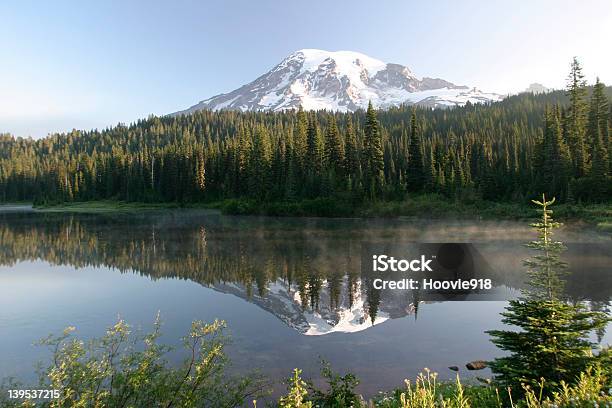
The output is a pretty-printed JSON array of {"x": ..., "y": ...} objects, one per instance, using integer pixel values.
[{"x": 290, "y": 289}]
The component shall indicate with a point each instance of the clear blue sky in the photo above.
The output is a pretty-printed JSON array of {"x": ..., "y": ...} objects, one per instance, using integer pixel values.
[{"x": 86, "y": 64}]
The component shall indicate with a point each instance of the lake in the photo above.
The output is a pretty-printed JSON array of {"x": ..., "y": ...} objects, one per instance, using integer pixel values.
[{"x": 290, "y": 289}]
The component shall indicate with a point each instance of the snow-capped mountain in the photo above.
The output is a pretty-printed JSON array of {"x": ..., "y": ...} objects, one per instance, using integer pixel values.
[{"x": 340, "y": 81}]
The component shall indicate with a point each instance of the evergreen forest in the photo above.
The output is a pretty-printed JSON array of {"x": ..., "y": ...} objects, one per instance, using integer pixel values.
[{"x": 509, "y": 151}]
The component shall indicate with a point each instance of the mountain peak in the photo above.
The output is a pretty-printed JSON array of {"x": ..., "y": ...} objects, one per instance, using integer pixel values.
[
  {"x": 340, "y": 81},
  {"x": 345, "y": 59},
  {"x": 537, "y": 88}
]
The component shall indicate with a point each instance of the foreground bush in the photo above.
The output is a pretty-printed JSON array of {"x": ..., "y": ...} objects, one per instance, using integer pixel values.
[
  {"x": 340, "y": 391},
  {"x": 121, "y": 369},
  {"x": 592, "y": 389},
  {"x": 125, "y": 370}
]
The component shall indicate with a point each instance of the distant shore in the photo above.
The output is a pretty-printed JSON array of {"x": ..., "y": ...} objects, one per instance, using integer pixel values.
[{"x": 424, "y": 206}]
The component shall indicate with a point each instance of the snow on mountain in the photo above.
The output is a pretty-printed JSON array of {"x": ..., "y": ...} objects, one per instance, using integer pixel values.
[
  {"x": 340, "y": 81},
  {"x": 345, "y": 317}
]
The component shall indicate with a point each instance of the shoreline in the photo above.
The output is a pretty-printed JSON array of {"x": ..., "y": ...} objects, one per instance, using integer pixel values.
[{"x": 433, "y": 207}]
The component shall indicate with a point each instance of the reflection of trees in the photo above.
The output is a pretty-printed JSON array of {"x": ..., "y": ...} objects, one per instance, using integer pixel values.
[
  {"x": 207, "y": 254},
  {"x": 217, "y": 250}
]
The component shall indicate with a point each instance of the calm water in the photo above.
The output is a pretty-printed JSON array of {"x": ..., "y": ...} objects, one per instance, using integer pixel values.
[{"x": 289, "y": 289}]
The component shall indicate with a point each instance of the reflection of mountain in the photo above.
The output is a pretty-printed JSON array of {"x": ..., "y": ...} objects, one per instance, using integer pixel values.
[
  {"x": 304, "y": 271},
  {"x": 348, "y": 315}
]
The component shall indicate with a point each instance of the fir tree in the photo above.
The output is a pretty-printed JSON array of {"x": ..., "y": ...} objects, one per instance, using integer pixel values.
[
  {"x": 351, "y": 164},
  {"x": 334, "y": 149},
  {"x": 314, "y": 147},
  {"x": 597, "y": 130},
  {"x": 430, "y": 173},
  {"x": 555, "y": 160},
  {"x": 373, "y": 153},
  {"x": 598, "y": 114},
  {"x": 553, "y": 338},
  {"x": 599, "y": 182},
  {"x": 415, "y": 175},
  {"x": 576, "y": 90},
  {"x": 200, "y": 172},
  {"x": 599, "y": 167},
  {"x": 259, "y": 168},
  {"x": 313, "y": 159},
  {"x": 300, "y": 137}
]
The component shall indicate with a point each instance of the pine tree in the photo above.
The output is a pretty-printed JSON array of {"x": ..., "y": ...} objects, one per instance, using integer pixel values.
[
  {"x": 430, "y": 172},
  {"x": 334, "y": 149},
  {"x": 599, "y": 167},
  {"x": 313, "y": 159},
  {"x": 597, "y": 130},
  {"x": 599, "y": 182},
  {"x": 259, "y": 164},
  {"x": 200, "y": 172},
  {"x": 242, "y": 158},
  {"x": 598, "y": 111},
  {"x": 351, "y": 164},
  {"x": 300, "y": 136},
  {"x": 415, "y": 175},
  {"x": 576, "y": 90},
  {"x": 314, "y": 147},
  {"x": 278, "y": 170},
  {"x": 555, "y": 160},
  {"x": 553, "y": 338},
  {"x": 291, "y": 169},
  {"x": 373, "y": 154}
]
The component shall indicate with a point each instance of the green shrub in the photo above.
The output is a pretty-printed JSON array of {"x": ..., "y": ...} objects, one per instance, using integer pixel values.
[
  {"x": 340, "y": 390},
  {"x": 125, "y": 370},
  {"x": 591, "y": 389}
]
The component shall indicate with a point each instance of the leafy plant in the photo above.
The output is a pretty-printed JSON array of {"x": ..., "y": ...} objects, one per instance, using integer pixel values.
[
  {"x": 341, "y": 389},
  {"x": 125, "y": 370},
  {"x": 296, "y": 395}
]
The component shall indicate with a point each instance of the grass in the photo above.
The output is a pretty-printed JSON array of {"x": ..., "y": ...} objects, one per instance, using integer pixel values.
[
  {"x": 104, "y": 206},
  {"x": 605, "y": 226},
  {"x": 592, "y": 389},
  {"x": 428, "y": 206}
]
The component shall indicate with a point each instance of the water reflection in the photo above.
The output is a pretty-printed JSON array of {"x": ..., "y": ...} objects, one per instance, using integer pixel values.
[{"x": 306, "y": 272}]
